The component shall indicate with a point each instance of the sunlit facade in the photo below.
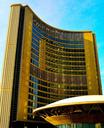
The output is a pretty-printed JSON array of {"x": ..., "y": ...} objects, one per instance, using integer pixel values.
[{"x": 44, "y": 64}]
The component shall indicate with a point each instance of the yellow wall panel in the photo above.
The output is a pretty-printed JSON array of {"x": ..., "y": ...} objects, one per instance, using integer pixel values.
[
  {"x": 42, "y": 54},
  {"x": 92, "y": 81},
  {"x": 25, "y": 66},
  {"x": 8, "y": 69}
]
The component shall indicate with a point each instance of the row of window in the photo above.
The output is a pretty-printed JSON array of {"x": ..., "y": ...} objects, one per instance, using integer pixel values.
[
  {"x": 54, "y": 60},
  {"x": 70, "y": 71},
  {"x": 69, "y": 67},
  {"x": 63, "y": 56},
  {"x": 67, "y": 46},
  {"x": 58, "y": 78},
  {"x": 47, "y": 84},
  {"x": 56, "y": 91},
  {"x": 59, "y": 53},
  {"x": 66, "y": 54},
  {"x": 47, "y": 31},
  {"x": 62, "y": 70},
  {"x": 42, "y": 85},
  {"x": 78, "y": 63},
  {"x": 46, "y": 98},
  {"x": 35, "y": 50},
  {"x": 66, "y": 59},
  {"x": 52, "y": 77},
  {"x": 37, "y": 36},
  {"x": 67, "y": 63},
  {"x": 67, "y": 43}
]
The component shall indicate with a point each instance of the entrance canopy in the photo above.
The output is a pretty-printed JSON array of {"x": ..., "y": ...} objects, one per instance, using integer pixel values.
[{"x": 82, "y": 109}]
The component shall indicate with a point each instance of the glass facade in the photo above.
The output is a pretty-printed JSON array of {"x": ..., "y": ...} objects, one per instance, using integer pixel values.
[
  {"x": 50, "y": 65},
  {"x": 57, "y": 68},
  {"x": 77, "y": 126},
  {"x": 80, "y": 125}
]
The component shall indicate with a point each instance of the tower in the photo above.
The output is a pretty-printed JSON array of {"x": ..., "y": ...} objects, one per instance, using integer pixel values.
[{"x": 44, "y": 64}]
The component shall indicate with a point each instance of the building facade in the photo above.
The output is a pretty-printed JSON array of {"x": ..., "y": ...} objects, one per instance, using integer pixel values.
[{"x": 44, "y": 64}]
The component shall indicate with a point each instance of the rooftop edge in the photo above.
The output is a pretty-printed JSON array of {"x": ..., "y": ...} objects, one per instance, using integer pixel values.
[{"x": 62, "y": 30}]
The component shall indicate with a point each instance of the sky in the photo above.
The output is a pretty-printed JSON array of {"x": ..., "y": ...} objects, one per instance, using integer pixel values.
[{"x": 63, "y": 14}]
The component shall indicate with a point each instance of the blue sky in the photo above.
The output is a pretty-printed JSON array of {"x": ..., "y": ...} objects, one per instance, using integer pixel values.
[{"x": 64, "y": 14}]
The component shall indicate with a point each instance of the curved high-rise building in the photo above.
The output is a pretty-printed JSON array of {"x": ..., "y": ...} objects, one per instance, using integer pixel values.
[{"x": 44, "y": 64}]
